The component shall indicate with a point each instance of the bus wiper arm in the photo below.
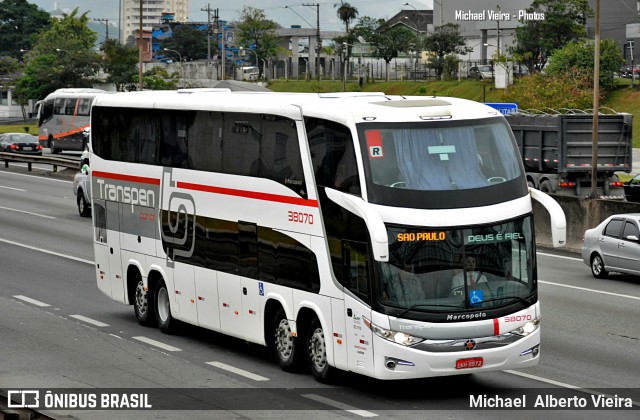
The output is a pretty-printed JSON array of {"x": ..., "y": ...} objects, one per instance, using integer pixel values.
[
  {"x": 523, "y": 300},
  {"x": 427, "y": 305}
]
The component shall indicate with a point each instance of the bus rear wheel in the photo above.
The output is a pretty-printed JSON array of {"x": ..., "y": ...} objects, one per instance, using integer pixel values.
[
  {"x": 285, "y": 345},
  {"x": 317, "y": 351},
  {"x": 52, "y": 146},
  {"x": 142, "y": 305},
  {"x": 162, "y": 306}
]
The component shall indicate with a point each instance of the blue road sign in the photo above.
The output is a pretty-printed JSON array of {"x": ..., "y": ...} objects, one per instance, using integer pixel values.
[{"x": 504, "y": 108}]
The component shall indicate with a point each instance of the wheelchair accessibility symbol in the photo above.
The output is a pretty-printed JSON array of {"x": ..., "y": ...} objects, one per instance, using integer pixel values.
[{"x": 476, "y": 297}]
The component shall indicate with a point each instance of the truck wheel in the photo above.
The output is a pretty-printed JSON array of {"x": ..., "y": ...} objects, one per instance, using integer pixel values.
[
  {"x": 546, "y": 187},
  {"x": 83, "y": 207}
]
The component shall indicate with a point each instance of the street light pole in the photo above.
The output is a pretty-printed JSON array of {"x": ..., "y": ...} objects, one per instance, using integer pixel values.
[{"x": 180, "y": 58}]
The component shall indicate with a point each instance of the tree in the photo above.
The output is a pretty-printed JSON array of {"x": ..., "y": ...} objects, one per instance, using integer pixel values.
[
  {"x": 189, "y": 41},
  {"x": 444, "y": 40},
  {"x": 19, "y": 21},
  {"x": 62, "y": 56},
  {"x": 578, "y": 57},
  {"x": 257, "y": 33},
  {"x": 346, "y": 13},
  {"x": 120, "y": 62},
  {"x": 158, "y": 78},
  {"x": 386, "y": 42},
  {"x": 564, "y": 21}
]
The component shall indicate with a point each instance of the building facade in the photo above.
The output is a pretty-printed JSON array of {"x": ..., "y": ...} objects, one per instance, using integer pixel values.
[{"x": 153, "y": 12}]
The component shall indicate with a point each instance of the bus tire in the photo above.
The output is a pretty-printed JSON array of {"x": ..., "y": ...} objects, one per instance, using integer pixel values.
[
  {"x": 142, "y": 305},
  {"x": 52, "y": 146},
  {"x": 285, "y": 345},
  {"x": 162, "y": 306},
  {"x": 317, "y": 352},
  {"x": 83, "y": 206}
]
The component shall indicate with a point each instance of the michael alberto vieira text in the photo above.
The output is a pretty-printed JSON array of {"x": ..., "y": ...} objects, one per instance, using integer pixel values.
[{"x": 547, "y": 401}]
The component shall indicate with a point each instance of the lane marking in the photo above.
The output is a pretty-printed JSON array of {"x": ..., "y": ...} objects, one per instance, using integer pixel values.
[
  {"x": 562, "y": 384},
  {"x": 155, "y": 343},
  {"x": 89, "y": 320},
  {"x": 340, "y": 406},
  {"x": 589, "y": 290},
  {"x": 31, "y": 301},
  {"x": 36, "y": 176},
  {"x": 238, "y": 371},
  {"x": 69, "y": 257},
  {"x": 559, "y": 256},
  {"x": 27, "y": 212},
  {"x": 14, "y": 189}
]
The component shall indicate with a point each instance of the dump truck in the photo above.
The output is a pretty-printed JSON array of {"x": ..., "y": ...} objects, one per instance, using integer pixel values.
[{"x": 557, "y": 151}]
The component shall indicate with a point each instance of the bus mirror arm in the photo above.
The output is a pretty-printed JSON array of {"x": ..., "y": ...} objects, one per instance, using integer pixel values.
[
  {"x": 375, "y": 225},
  {"x": 558, "y": 219}
]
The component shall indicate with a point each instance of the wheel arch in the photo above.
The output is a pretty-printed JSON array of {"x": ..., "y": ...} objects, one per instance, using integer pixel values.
[{"x": 133, "y": 268}]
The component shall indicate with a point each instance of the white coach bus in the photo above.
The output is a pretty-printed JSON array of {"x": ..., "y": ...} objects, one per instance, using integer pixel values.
[
  {"x": 337, "y": 229},
  {"x": 63, "y": 119}
]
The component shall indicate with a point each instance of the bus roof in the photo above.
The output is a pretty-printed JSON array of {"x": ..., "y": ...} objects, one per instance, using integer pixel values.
[{"x": 339, "y": 106}]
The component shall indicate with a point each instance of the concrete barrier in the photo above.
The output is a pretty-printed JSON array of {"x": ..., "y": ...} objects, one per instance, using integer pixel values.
[{"x": 582, "y": 214}]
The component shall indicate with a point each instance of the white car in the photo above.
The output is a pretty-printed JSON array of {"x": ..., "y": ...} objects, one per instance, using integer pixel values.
[
  {"x": 613, "y": 246},
  {"x": 82, "y": 187}
]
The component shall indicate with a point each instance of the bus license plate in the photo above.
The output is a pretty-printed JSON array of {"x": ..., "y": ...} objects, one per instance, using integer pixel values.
[{"x": 473, "y": 362}]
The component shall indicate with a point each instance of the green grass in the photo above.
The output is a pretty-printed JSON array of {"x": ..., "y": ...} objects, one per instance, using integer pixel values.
[
  {"x": 20, "y": 128},
  {"x": 623, "y": 99}
]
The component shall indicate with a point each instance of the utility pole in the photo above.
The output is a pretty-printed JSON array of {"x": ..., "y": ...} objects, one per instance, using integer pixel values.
[
  {"x": 106, "y": 24},
  {"x": 318, "y": 40},
  {"x": 208, "y": 10},
  {"x": 140, "y": 72},
  {"x": 596, "y": 105}
]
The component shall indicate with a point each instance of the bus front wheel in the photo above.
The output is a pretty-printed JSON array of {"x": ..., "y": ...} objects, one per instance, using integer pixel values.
[
  {"x": 52, "y": 146},
  {"x": 285, "y": 345},
  {"x": 317, "y": 351},
  {"x": 162, "y": 306}
]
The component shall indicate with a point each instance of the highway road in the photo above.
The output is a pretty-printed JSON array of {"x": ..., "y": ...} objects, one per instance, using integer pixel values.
[{"x": 58, "y": 331}]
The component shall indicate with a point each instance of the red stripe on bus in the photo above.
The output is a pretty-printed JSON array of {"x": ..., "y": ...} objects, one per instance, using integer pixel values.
[
  {"x": 496, "y": 326},
  {"x": 248, "y": 194},
  {"x": 129, "y": 178}
]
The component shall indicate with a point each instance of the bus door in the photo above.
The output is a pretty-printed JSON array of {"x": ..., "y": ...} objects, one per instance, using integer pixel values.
[
  {"x": 101, "y": 249},
  {"x": 113, "y": 245},
  {"x": 355, "y": 259}
]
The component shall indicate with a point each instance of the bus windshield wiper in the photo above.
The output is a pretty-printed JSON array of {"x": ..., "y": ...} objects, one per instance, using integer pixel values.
[{"x": 427, "y": 305}]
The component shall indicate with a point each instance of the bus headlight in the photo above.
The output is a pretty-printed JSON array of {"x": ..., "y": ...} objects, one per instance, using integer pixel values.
[
  {"x": 397, "y": 337},
  {"x": 527, "y": 328}
]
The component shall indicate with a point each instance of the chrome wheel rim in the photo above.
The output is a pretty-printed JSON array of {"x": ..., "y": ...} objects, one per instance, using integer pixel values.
[
  {"x": 596, "y": 265},
  {"x": 163, "y": 304},
  {"x": 141, "y": 299},
  {"x": 284, "y": 339},
  {"x": 318, "y": 349}
]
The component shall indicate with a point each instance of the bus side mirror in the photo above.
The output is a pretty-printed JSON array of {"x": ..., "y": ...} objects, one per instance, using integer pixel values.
[{"x": 558, "y": 219}]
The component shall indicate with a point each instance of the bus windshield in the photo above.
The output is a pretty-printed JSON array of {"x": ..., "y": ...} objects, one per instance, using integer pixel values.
[
  {"x": 451, "y": 270},
  {"x": 439, "y": 157}
]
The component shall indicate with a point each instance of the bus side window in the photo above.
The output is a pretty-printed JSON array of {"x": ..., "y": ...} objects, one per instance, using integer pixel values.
[
  {"x": 355, "y": 275},
  {"x": 70, "y": 106},
  {"x": 333, "y": 155},
  {"x": 58, "y": 107}
]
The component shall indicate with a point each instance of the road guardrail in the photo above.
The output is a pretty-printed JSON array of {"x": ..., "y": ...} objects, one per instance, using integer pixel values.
[{"x": 46, "y": 160}]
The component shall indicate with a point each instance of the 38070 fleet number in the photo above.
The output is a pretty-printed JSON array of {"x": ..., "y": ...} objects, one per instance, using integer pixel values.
[{"x": 300, "y": 217}]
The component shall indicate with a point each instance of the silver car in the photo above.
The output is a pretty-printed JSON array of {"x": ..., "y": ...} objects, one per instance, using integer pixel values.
[
  {"x": 82, "y": 187},
  {"x": 613, "y": 246}
]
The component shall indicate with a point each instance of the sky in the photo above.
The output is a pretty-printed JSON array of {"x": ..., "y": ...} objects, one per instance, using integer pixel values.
[{"x": 295, "y": 14}]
